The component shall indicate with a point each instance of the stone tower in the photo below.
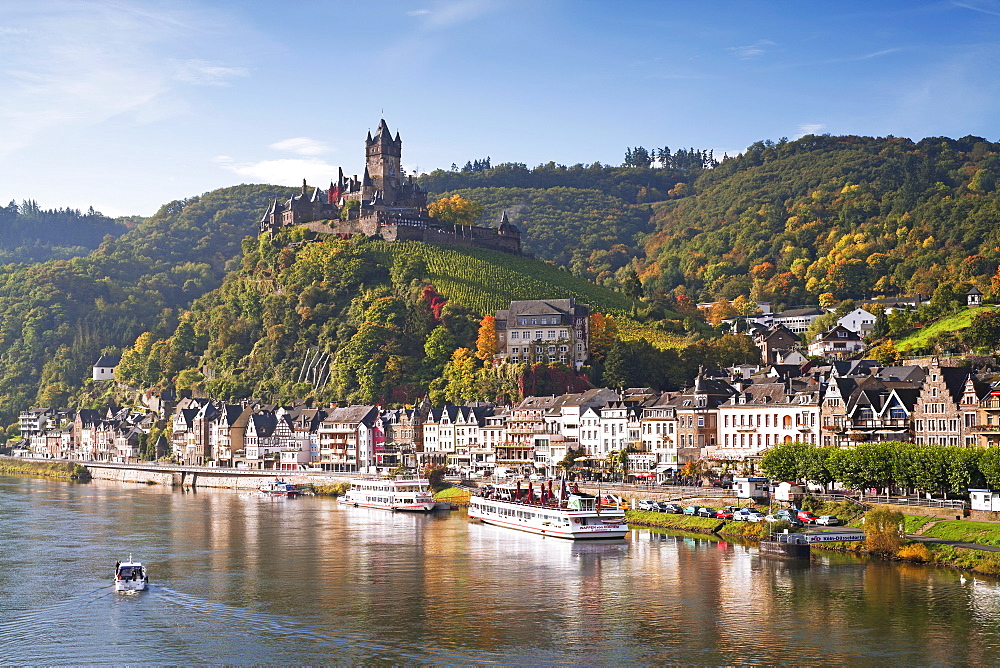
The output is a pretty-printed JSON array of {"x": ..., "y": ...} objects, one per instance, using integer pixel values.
[{"x": 383, "y": 166}]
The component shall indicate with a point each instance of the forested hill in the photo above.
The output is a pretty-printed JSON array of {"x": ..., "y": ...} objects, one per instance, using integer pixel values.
[
  {"x": 589, "y": 219},
  {"x": 852, "y": 216},
  {"x": 57, "y": 316},
  {"x": 29, "y": 233}
]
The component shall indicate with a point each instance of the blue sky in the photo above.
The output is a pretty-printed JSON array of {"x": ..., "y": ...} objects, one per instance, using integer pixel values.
[{"x": 125, "y": 105}]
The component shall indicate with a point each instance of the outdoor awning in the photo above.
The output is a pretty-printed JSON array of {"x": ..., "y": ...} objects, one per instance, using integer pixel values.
[{"x": 663, "y": 467}]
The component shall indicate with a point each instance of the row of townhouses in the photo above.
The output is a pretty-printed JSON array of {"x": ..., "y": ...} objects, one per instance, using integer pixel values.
[{"x": 734, "y": 415}]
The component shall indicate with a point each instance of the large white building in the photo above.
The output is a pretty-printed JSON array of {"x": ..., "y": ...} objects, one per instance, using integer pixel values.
[{"x": 765, "y": 414}]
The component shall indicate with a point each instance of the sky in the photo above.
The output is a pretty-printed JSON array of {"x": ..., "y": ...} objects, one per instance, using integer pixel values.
[{"x": 125, "y": 105}]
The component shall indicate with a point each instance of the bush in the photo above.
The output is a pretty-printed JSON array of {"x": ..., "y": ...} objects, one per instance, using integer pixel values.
[
  {"x": 915, "y": 552},
  {"x": 435, "y": 476},
  {"x": 811, "y": 503},
  {"x": 882, "y": 530}
]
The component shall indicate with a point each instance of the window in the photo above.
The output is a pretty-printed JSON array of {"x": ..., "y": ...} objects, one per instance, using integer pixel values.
[
  {"x": 514, "y": 335},
  {"x": 563, "y": 334},
  {"x": 538, "y": 334},
  {"x": 579, "y": 347},
  {"x": 564, "y": 349},
  {"x": 701, "y": 420},
  {"x": 551, "y": 334}
]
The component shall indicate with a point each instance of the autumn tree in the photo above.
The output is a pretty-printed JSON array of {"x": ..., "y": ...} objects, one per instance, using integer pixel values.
[
  {"x": 721, "y": 310},
  {"x": 486, "y": 342},
  {"x": 746, "y": 306},
  {"x": 455, "y": 210},
  {"x": 603, "y": 334}
]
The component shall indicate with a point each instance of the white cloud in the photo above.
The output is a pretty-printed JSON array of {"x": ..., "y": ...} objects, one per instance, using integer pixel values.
[
  {"x": 83, "y": 64},
  {"x": 418, "y": 12},
  {"x": 990, "y": 10},
  {"x": 809, "y": 129},
  {"x": 300, "y": 146},
  {"x": 750, "y": 51},
  {"x": 285, "y": 171},
  {"x": 202, "y": 73}
]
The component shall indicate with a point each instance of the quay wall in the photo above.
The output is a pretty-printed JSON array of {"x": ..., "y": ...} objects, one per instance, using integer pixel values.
[{"x": 205, "y": 478}]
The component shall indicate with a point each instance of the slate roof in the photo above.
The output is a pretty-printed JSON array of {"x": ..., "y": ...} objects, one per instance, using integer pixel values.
[{"x": 108, "y": 361}]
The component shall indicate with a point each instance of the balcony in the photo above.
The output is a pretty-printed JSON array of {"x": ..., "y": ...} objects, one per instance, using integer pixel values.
[{"x": 984, "y": 428}]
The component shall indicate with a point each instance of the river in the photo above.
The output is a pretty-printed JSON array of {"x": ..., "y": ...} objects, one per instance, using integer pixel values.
[{"x": 242, "y": 580}]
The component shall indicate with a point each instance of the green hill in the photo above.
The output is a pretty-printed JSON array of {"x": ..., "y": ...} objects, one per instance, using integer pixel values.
[
  {"x": 947, "y": 329},
  {"x": 388, "y": 315},
  {"x": 590, "y": 233},
  {"x": 853, "y": 216},
  {"x": 56, "y": 317},
  {"x": 487, "y": 281}
]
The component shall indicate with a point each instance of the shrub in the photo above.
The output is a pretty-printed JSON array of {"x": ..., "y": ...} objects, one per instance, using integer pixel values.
[
  {"x": 435, "y": 476},
  {"x": 915, "y": 552},
  {"x": 882, "y": 530},
  {"x": 811, "y": 503}
]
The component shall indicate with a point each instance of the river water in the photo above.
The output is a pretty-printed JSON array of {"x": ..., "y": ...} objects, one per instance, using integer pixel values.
[{"x": 242, "y": 580}]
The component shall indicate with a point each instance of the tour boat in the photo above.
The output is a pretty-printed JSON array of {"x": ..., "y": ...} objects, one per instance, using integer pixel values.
[
  {"x": 279, "y": 488},
  {"x": 399, "y": 493},
  {"x": 130, "y": 575},
  {"x": 564, "y": 514}
]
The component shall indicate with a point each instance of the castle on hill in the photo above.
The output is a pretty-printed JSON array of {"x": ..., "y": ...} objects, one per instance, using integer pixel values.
[{"x": 383, "y": 202}]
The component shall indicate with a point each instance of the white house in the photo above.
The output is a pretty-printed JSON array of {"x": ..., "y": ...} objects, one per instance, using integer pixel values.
[
  {"x": 859, "y": 321},
  {"x": 838, "y": 342},
  {"x": 104, "y": 368},
  {"x": 764, "y": 415}
]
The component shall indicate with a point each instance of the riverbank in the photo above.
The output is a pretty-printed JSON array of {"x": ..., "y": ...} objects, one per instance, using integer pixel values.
[{"x": 48, "y": 469}]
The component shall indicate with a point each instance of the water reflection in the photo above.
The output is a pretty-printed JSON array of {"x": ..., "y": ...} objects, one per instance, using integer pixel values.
[{"x": 249, "y": 580}]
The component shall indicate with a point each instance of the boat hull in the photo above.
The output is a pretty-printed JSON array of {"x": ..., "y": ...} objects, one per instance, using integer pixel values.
[
  {"x": 423, "y": 507},
  {"x": 546, "y": 521},
  {"x": 130, "y": 585}
]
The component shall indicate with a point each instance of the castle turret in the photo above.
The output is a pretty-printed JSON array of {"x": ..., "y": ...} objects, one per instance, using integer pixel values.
[{"x": 384, "y": 155}]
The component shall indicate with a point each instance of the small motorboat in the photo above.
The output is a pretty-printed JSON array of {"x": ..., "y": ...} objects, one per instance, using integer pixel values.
[
  {"x": 130, "y": 575},
  {"x": 279, "y": 488}
]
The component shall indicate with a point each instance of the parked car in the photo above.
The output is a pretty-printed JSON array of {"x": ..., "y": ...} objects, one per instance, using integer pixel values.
[
  {"x": 648, "y": 504},
  {"x": 671, "y": 508},
  {"x": 691, "y": 510},
  {"x": 724, "y": 514},
  {"x": 828, "y": 520},
  {"x": 707, "y": 512},
  {"x": 748, "y": 515},
  {"x": 794, "y": 521},
  {"x": 807, "y": 516}
]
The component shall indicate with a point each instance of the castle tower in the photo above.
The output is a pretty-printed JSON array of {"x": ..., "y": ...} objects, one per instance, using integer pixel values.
[{"x": 383, "y": 154}]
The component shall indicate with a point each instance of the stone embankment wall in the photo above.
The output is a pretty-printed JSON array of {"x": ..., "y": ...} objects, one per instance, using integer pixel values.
[{"x": 206, "y": 478}]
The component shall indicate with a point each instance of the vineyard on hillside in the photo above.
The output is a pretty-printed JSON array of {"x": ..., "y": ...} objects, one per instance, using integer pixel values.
[{"x": 487, "y": 281}]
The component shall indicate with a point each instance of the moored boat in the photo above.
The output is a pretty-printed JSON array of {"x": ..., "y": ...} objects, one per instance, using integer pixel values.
[
  {"x": 564, "y": 514},
  {"x": 399, "y": 493},
  {"x": 279, "y": 488},
  {"x": 130, "y": 575}
]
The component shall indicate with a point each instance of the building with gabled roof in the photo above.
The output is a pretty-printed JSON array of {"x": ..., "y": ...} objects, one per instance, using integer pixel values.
[{"x": 543, "y": 330}]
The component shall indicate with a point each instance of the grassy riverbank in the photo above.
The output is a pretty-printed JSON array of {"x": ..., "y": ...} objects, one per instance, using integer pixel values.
[
  {"x": 648, "y": 518},
  {"x": 49, "y": 469}
]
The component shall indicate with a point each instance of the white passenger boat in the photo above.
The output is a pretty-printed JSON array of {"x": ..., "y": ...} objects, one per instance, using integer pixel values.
[
  {"x": 562, "y": 514},
  {"x": 130, "y": 575},
  {"x": 279, "y": 488},
  {"x": 399, "y": 493}
]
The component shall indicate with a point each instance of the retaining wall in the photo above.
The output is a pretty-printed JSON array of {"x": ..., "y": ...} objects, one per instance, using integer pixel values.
[{"x": 207, "y": 478}]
